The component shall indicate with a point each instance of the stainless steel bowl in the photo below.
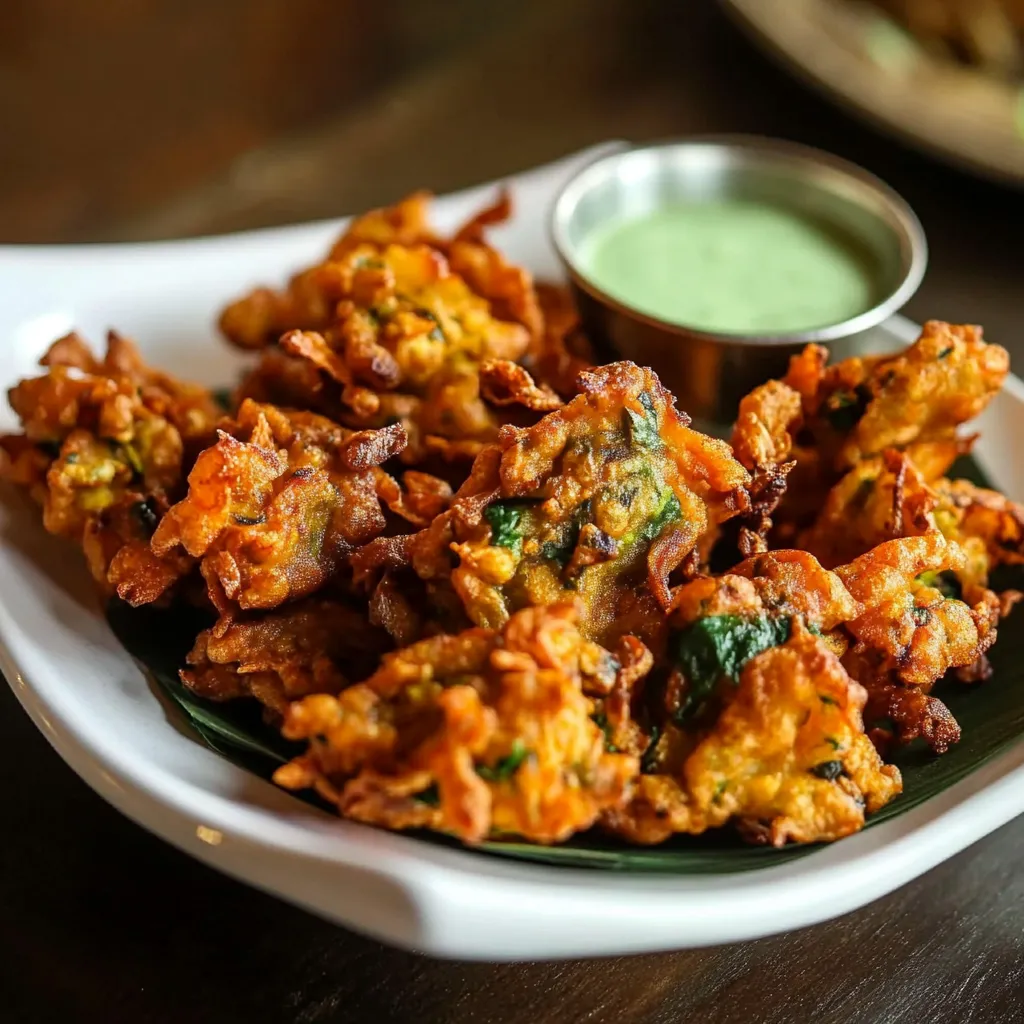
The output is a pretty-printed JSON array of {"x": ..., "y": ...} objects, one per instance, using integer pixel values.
[{"x": 708, "y": 371}]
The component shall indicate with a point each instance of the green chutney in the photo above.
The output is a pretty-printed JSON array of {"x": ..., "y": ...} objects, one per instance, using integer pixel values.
[{"x": 732, "y": 266}]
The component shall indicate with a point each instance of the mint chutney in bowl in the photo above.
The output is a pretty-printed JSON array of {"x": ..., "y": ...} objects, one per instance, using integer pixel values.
[{"x": 713, "y": 260}]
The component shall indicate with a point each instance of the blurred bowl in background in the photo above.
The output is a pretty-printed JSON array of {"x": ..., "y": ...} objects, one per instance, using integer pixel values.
[{"x": 852, "y": 52}]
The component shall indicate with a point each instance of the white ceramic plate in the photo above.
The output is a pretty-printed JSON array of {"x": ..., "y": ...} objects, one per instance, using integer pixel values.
[{"x": 95, "y": 707}]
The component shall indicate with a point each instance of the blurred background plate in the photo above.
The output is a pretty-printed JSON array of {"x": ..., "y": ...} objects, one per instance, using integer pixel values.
[{"x": 852, "y": 51}]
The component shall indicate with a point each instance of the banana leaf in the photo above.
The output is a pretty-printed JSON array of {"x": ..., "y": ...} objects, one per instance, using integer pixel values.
[{"x": 991, "y": 715}]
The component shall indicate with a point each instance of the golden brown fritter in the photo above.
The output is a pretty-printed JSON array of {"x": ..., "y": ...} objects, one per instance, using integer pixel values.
[
  {"x": 915, "y": 628},
  {"x": 258, "y": 319},
  {"x": 858, "y": 409},
  {"x": 482, "y": 733},
  {"x": 318, "y": 645},
  {"x": 766, "y": 422},
  {"x": 506, "y": 383},
  {"x": 762, "y": 439},
  {"x": 507, "y": 287},
  {"x": 912, "y": 401},
  {"x": 606, "y": 498},
  {"x": 986, "y": 524},
  {"x": 108, "y": 396},
  {"x": 105, "y": 449},
  {"x": 786, "y": 760},
  {"x": 909, "y": 626},
  {"x": 719, "y": 623},
  {"x": 885, "y": 498},
  {"x": 898, "y": 714},
  {"x": 395, "y": 326},
  {"x": 551, "y": 649},
  {"x": 278, "y": 502}
]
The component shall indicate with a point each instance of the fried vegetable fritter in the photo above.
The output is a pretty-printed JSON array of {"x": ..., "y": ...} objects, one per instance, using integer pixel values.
[
  {"x": 395, "y": 326},
  {"x": 912, "y": 401},
  {"x": 858, "y": 410},
  {"x": 914, "y": 628},
  {"x": 718, "y": 623},
  {"x": 882, "y": 498},
  {"x": 319, "y": 645},
  {"x": 105, "y": 450},
  {"x": 482, "y": 733},
  {"x": 885, "y": 498},
  {"x": 554, "y": 648},
  {"x": 786, "y": 760},
  {"x": 762, "y": 439},
  {"x": 278, "y": 502},
  {"x": 987, "y": 525},
  {"x": 606, "y": 498}
]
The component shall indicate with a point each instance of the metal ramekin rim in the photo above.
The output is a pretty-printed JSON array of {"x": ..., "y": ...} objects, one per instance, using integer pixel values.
[{"x": 909, "y": 226}]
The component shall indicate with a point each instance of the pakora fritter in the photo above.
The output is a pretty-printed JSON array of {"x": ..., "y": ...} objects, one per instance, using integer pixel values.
[
  {"x": 606, "y": 498},
  {"x": 758, "y": 718},
  {"x": 913, "y": 629},
  {"x": 105, "y": 450},
  {"x": 487, "y": 732},
  {"x": 856, "y": 410},
  {"x": 785, "y": 760},
  {"x": 278, "y": 502},
  {"x": 317, "y": 645},
  {"x": 395, "y": 326}
]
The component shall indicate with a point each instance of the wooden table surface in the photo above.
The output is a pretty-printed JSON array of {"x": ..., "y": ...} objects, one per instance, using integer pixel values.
[{"x": 100, "y": 922}]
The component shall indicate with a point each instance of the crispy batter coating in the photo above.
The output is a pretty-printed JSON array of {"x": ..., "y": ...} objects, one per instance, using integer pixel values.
[
  {"x": 319, "y": 645},
  {"x": 985, "y": 523},
  {"x": 910, "y": 401},
  {"x": 910, "y": 627},
  {"x": 508, "y": 288},
  {"x": 105, "y": 449},
  {"x": 765, "y": 424},
  {"x": 762, "y": 439},
  {"x": 786, "y": 760},
  {"x": 886, "y": 497},
  {"x": 549, "y": 649},
  {"x": 860, "y": 409},
  {"x": 107, "y": 396},
  {"x": 795, "y": 583},
  {"x": 605, "y": 497},
  {"x": 506, "y": 383},
  {"x": 476, "y": 734},
  {"x": 718, "y": 623},
  {"x": 258, "y": 319},
  {"x": 394, "y": 327},
  {"x": 882, "y": 498},
  {"x": 278, "y": 502},
  {"x": 913, "y": 630}
]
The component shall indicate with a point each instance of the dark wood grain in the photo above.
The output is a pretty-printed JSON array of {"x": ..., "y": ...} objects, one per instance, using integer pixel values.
[{"x": 100, "y": 922}]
